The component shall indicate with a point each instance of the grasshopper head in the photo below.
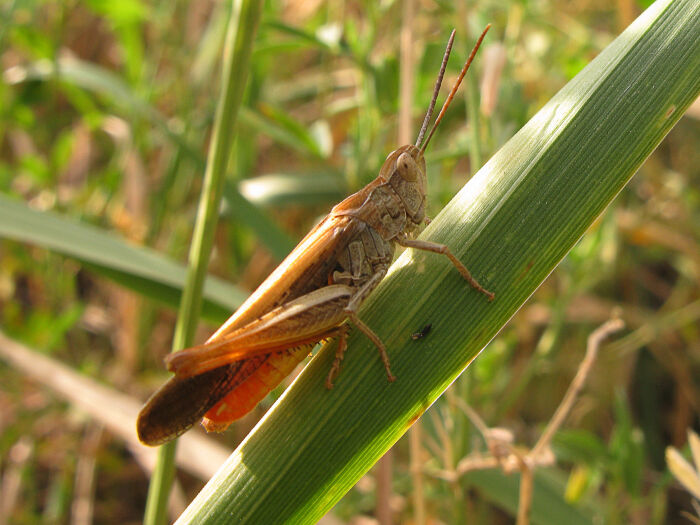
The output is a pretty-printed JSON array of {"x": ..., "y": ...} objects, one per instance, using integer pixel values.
[
  {"x": 406, "y": 165},
  {"x": 405, "y": 171}
]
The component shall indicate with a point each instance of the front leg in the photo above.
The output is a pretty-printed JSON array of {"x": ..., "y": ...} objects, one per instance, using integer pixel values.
[{"x": 442, "y": 249}]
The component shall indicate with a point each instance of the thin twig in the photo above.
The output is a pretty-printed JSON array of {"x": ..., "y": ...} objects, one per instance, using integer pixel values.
[
  {"x": 525, "y": 495},
  {"x": 562, "y": 412},
  {"x": 499, "y": 441},
  {"x": 473, "y": 416},
  {"x": 594, "y": 342}
]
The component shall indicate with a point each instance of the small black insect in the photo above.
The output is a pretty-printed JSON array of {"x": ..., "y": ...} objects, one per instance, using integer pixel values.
[{"x": 420, "y": 334}]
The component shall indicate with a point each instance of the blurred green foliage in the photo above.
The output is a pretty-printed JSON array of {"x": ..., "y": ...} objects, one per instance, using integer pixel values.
[{"x": 105, "y": 115}]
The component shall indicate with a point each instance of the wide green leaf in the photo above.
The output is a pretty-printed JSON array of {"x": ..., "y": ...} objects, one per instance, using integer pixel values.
[
  {"x": 512, "y": 224},
  {"x": 136, "y": 267}
]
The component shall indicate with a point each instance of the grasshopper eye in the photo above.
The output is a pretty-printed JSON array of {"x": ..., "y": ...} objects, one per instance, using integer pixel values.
[{"x": 407, "y": 167}]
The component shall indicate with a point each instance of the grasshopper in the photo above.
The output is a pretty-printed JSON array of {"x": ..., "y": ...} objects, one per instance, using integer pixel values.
[{"x": 312, "y": 295}]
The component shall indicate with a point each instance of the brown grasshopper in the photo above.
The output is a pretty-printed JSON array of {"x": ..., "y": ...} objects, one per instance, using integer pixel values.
[{"x": 310, "y": 297}]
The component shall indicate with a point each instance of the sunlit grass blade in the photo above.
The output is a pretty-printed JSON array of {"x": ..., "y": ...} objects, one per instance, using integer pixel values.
[
  {"x": 511, "y": 225},
  {"x": 288, "y": 189}
]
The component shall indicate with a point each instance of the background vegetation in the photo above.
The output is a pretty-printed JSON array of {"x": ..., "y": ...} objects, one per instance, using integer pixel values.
[{"x": 105, "y": 114}]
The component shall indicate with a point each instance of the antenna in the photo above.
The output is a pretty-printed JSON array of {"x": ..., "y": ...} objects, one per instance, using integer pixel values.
[
  {"x": 455, "y": 87},
  {"x": 436, "y": 90}
]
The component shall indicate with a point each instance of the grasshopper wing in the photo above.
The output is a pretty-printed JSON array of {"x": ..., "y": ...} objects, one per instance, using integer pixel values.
[
  {"x": 305, "y": 269},
  {"x": 306, "y": 319},
  {"x": 182, "y": 401}
]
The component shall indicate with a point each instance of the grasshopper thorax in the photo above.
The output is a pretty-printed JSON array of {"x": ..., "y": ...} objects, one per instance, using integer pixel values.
[{"x": 404, "y": 171}]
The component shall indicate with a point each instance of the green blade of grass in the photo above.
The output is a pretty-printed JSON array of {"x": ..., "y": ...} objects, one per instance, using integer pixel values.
[
  {"x": 243, "y": 24},
  {"x": 137, "y": 267},
  {"x": 511, "y": 225}
]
